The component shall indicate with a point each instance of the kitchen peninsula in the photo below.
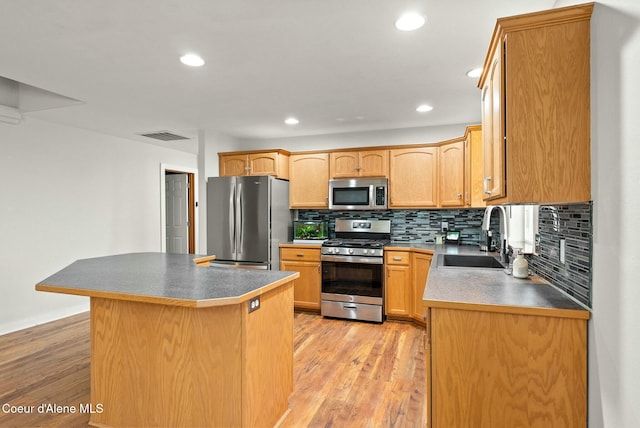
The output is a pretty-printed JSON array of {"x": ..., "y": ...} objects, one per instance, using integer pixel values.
[
  {"x": 173, "y": 343},
  {"x": 503, "y": 351}
]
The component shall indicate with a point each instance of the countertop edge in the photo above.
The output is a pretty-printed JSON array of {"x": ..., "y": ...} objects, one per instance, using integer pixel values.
[
  {"x": 170, "y": 301},
  {"x": 509, "y": 309}
]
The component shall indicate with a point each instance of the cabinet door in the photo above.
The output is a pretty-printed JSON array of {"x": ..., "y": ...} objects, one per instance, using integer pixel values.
[
  {"x": 344, "y": 164},
  {"x": 413, "y": 178},
  {"x": 374, "y": 163},
  {"x": 231, "y": 165},
  {"x": 306, "y": 289},
  {"x": 398, "y": 283},
  {"x": 420, "y": 265},
  {"x": 397, "y": 291},
  {"x": 309, "y": 184},
  {"x": 451, "y": 167},
  {"x": 474, "y": 155},
  {"x": 263, "y": 164},
  {"x": 493, "y": 118}
]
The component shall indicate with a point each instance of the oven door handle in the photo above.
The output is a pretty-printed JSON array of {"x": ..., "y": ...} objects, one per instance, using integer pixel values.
[{"x": 352, "y": 259}]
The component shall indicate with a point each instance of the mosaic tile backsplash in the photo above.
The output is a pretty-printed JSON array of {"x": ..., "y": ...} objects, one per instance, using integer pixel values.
[
  {"x": 574, "y": 224},
  {"x": 571, "y": 222},
  {"x": 410, "y": 225}
]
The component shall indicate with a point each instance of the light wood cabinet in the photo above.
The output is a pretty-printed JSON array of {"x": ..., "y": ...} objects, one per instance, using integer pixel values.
[
  {"x": 270, "y": 162},
  {"x": 405, "y": 278},
  {"x": 413, "y": 177},
  {"x": 309, "y": 180},
  {"x": 365, "y": 163},
  {"x": 500, "y": 369},
  {"x": 474, "y": 195},
  {"x": 451, "y": 167},
  {"x": 398, "y": 291},
  {"x": 305, "y": 260},
  {"x": 420, "y": 265},
  {"x": 536, "y": 108}
]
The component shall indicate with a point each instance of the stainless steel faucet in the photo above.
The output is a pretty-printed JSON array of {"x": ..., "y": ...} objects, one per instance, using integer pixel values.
[{"x": 504, "y": 228}]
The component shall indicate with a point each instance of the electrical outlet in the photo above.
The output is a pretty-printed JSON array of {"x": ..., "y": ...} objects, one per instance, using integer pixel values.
[
  {"x": 563, "y": 252},
  {"x": 254, "y": 304},
  {"x": 444, "y": 226}
]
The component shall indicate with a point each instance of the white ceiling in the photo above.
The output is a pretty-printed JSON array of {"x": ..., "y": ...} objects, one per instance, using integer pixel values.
[{"x": 337, "y": 65}]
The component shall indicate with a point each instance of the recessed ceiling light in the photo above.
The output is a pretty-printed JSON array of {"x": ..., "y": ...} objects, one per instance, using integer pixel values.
[
  {"x": 192, "y": 60},
  {"x": 476, "y": 72},
  {"x": 291, "y": 121},
  {"x": 424, "y": 108},
  {"x": 410, "y": 21}
]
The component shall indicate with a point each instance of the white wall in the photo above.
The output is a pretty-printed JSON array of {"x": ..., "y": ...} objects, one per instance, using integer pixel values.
[
  {"x": 390, "y": 137},
  {"x": 68, "y": 194},
  {"x": 614, "y": 330}
]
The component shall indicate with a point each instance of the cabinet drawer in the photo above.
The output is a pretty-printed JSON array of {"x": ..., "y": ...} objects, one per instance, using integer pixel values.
[
  {"x": 308, "y": 254},
  {"x": 396, "y": 257}
]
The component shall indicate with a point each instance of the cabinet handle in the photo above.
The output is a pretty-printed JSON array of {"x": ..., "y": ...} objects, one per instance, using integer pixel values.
[
  {"x": 397, "y": 258},
  {"x": 300, "y": 255},
  {"x": 459, "y": 196},
  {"x": 484, "y": 185},
  {"x": 319, "y": 269}
]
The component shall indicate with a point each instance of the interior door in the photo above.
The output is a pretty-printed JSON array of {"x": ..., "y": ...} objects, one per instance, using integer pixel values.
[{"x": 177, "y": 213}]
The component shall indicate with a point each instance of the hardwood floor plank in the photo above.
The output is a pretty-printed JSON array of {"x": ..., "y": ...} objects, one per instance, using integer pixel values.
[{"x": 346, "y": 373}]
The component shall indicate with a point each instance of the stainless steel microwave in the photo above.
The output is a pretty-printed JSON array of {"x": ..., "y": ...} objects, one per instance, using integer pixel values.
[{"x": 358, "y": 194}]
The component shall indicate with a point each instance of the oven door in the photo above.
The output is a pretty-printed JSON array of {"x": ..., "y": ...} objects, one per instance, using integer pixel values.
[{"x": 352, "y": 279}]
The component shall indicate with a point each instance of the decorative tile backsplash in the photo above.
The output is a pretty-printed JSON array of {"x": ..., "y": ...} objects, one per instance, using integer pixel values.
[
  {"x": 571, "y": 222},
  {"x": 410, "y": 225}
]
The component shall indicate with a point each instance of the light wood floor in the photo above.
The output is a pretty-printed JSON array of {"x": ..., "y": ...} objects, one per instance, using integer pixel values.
[{"x": 346, "y": 374}]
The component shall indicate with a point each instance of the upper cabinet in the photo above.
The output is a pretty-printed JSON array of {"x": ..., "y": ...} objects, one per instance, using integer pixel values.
[
  {"x": 309, "y": 178},
  {"x": 365, "y": 163},
  {"x": 413, "y": 177},
  {"x": 535, "y": 108},
  {"x": 452, "y": 166},
  {"x": 473, "y": 167},
  {"x": 264, "y": 162}
]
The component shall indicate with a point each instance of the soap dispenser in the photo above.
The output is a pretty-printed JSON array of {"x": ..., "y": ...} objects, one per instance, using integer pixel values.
[{"x": 520, "y": 266}]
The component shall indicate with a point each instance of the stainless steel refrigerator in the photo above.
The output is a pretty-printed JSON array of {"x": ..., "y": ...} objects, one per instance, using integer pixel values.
[{"x": 247, "y": 218}]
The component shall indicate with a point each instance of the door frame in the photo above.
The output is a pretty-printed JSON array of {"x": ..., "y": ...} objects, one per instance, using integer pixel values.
[{"x": 192, "y": 177}]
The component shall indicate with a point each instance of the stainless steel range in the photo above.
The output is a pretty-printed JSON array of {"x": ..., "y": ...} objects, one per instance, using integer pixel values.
[{"x": 352, "y": 270}]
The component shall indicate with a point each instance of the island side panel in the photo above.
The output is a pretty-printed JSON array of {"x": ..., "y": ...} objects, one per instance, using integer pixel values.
[
  {"x": 160, "y": 365},
  {"x": 268, "y": 358}
]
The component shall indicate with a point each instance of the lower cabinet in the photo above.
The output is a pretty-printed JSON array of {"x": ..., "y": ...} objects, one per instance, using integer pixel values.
[
  {"x": 420, "y": 263},
  {"x": 405, "y": 277},
  {"x": 305, "y": 260},
  {"x": 495, "y": 369},
  {"x": 397, "y": 283}
]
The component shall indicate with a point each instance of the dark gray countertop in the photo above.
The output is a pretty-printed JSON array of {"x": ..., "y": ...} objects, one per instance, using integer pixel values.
[
  {"x": 490, "y": 289},
  {"x": 162, "y": 278}
]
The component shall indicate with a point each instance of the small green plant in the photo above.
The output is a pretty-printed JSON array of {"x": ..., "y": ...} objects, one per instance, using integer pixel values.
[{"x": 307, "y": 232}]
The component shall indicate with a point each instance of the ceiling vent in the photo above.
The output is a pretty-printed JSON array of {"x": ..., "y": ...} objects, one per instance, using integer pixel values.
[{"x": 165, "y": 136}]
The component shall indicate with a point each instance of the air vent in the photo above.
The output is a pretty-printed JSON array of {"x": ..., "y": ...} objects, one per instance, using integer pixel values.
[{"x": 165, "y": 136}]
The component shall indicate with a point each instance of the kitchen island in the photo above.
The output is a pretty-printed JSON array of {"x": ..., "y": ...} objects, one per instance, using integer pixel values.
[
  {"x": 175, "y": 344},
  {"x": 503, "y": 351}
]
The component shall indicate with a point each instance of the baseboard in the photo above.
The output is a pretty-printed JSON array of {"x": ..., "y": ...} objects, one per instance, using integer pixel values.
[{"x": 42, "y": 318}]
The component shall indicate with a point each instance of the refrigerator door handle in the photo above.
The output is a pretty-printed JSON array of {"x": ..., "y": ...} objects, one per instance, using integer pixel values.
[
  {"x": 232, "y": 222},
  {"x": 239, "y": 221}
]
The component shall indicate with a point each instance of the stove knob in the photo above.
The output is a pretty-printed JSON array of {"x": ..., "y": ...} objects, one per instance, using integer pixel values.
[
  {"x": 365, "y": 251},
  {"x": 350, "y": 250}
]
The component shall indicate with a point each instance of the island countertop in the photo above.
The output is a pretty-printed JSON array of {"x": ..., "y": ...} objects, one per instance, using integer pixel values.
[{"x": 169, "y": 279}]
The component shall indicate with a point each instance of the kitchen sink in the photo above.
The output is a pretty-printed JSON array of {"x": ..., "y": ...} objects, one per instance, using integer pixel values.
[{"x": 469, "y": 261}]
